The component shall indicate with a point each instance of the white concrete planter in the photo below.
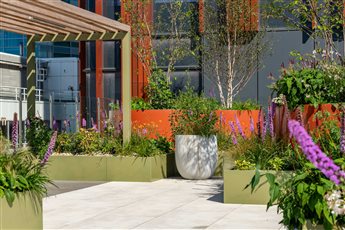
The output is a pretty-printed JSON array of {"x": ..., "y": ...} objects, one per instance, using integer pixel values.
[{"x": 196, "y": 156}]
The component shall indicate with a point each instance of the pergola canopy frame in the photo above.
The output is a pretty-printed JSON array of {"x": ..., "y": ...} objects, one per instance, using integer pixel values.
[{"x": 57, "y": 21}]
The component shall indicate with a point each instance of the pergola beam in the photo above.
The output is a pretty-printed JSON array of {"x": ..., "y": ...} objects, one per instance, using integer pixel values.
[{"x": 56, "y": 21}]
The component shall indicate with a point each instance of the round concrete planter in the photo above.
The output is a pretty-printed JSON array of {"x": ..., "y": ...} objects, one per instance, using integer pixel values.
[{"x": 196, "y": 156}]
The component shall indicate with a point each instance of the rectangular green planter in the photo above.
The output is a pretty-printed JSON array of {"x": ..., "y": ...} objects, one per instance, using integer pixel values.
[
  {"x": 110, "y": 168},
  {"x": 26, "y": 213},
  {"x": 236, "y": 180}
]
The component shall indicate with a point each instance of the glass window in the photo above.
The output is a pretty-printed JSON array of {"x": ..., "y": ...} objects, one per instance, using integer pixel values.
[
  {"x": 109, "y": 9},
  {"x": 182, "y": 78},
  {"x": 165, "y": 10},
  {"x": 109, "y": 54}
]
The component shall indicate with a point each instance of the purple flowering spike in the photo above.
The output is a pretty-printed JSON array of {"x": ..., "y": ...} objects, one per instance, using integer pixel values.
[
  {"x": 234, "y": 139},
  {"x": 273, "y": 107},
  {"x": 239, "y": 127},
  {"x": 55, "y": 125},
  {"x": 259, "y": 123},
  {"x": 232, "y": 127},
  {"x": 27, "y": 123},
  {"x": 83, "y": 123},
  {"x": 210, "y": 117},
  {"x": 252, "y": 129},
  {"x": 342, "y": 133},
  {"x": 50, "y": 149},
  {"x": 264, "y": 127},
  {"x": 270, "y": 121},
  {"x": 314, "y": 154},
  {"x": 15, "y": 133},
  {"x": 144, "y": 131}
]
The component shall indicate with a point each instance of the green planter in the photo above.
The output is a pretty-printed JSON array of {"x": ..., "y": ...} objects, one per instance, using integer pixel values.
[
  {"x": 26, "y": 213},
  {"x": 110, "y": 168},
  {"x": 236, "y": 180}
]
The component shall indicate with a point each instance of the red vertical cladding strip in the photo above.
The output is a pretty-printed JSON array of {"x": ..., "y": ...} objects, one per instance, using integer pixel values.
[
  {"x": 201, "y": 16},
  {"x": 255, "y": 15},
  {"x": 99, "y": 55},
  {"x": 82, "y": 74}
]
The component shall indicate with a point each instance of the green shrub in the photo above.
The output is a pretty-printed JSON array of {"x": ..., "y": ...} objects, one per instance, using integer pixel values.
[
  {"x": 140, "y": 104},
  {"x": 38, "y": 136},
  {"x": 158, "y": 90},
  {"x": 21, "y": 172},
  {"x": 195, "y": 115},
  {"x": 312, "y": 85}
]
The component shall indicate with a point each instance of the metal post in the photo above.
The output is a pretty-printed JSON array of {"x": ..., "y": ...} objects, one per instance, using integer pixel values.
[
  {"x": 99, "y": 113},
  {"x": 126, "y": 86},
  {"x": 8, "y": 129},
  {"x": 77, "y": 115},
  {"x": 31, "y": 75},
  {"x": 20, "y": 132},
  {"x": 51, "y": 110}
]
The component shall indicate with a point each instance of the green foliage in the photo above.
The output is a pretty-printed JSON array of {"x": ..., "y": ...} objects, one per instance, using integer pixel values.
[
  {"x": 267, "y": 154},
  {"x": 38, "y": 136},
  {"x": 89, "y": 142},
  {"x": 163, "y": 144},
  {"x": 142, "y": 146},
  {"x": 195, "y": 115},
  {"x": 325, "y": 16},
  {"x": 245, "y": 105},
  {"x": 21, "y": 172},
  {"x": 140, "y": 104},
  {"x": 311, "y": 86},
  {"x": 244, "y": 165},
  {"x": 300, "y": 197},
  {"x": 158, "y": 90}
]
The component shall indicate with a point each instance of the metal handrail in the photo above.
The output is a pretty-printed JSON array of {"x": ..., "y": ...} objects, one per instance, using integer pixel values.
[{"x": 17, "y": 92}]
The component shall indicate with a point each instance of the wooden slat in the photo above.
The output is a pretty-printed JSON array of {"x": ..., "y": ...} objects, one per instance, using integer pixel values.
[
  {"x": 16, "y": 30},
  {"x": 38, "y": 16},
  {"x": 20, "y": 28},
  {"x": 24, "y": 19},
  {"x": 35, "y": 11},
  {"x": 26, "y": 26},
  {"x": 85, "y": 14},
  {"x": 66, "y": 11}
]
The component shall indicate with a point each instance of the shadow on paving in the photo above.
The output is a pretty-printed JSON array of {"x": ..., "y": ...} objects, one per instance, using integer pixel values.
[{"x": 68, "y": 186}]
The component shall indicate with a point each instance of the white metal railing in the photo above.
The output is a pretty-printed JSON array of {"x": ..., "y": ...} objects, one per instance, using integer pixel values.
[{"x": 17, "y": 93}]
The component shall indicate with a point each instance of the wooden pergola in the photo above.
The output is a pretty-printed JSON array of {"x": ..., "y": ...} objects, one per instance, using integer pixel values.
[{"x": 57, "y": 21}]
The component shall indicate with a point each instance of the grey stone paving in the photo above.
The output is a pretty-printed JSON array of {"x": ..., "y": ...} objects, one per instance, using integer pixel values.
[
  {"x": 59, "y": 187},
  {"x": 164, "y": 204}
]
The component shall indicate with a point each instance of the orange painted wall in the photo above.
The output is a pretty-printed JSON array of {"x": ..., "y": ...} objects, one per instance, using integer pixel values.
[{"x": 157, "y": 121}]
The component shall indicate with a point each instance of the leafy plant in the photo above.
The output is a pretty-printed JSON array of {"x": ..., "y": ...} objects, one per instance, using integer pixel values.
[
  {"x": 195, "y": 115},
  {"x": 140, "y": 104},
  {"x": 38, "y": 136},
  {"x": 245, "y": 105},
  {"x": 315, "y": 84},
  {"x": 21, "y": 172},
  {"x": 158, "y": 90}
]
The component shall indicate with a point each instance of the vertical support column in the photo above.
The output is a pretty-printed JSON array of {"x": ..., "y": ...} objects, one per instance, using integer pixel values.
[
  {"x": 99, "y": 59},
  {"x": 31, "y": 75},
  {"x": 126, "y": 86}
]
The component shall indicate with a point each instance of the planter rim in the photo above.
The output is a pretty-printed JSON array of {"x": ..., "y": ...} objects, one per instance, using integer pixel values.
[
  {"x": 57, "y": 155},
  {"x": 193, "y": 135}
]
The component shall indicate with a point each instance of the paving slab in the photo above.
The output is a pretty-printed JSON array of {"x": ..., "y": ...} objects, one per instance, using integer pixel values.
[{"x": 163, "y": 204}]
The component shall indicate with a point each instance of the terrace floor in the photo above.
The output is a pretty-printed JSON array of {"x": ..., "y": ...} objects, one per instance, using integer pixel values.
[{"x": 163, "y": 204}]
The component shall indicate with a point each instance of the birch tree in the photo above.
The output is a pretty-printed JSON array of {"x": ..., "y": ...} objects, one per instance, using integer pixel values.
[
  {"x": 322, "y": 20},
  {"x": 233, "y": 45}
]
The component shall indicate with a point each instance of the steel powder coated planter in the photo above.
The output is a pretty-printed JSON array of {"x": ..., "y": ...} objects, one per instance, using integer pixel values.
[
  {"x": 110, "y": 168},
  {"x": 26, "y": 213},
  {"x": 236, "y": 180}
]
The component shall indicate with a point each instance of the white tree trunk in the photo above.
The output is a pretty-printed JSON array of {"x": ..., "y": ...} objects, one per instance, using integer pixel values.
[{"x": 219, "y": 85}]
